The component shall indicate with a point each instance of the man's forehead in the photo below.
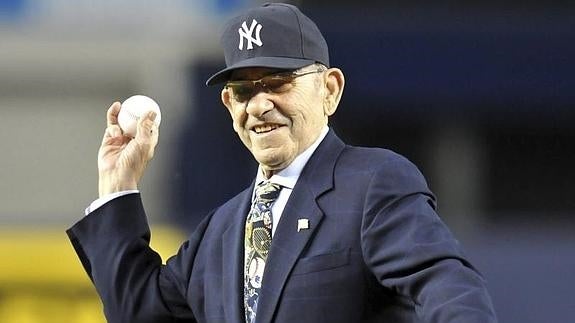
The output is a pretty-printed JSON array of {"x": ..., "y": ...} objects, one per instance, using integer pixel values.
[{"x": 254, "y": 73}]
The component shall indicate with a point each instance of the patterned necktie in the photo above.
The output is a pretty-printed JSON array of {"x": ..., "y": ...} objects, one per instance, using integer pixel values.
[{"x": 258, "y": 240}]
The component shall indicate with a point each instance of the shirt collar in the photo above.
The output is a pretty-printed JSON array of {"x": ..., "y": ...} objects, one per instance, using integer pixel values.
[{"x": 288, "y": 176}]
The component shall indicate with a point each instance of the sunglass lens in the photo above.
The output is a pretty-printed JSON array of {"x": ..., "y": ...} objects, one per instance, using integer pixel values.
[
  {"x": 242, "y": 92},
  {"x": 277, "y": 84}
]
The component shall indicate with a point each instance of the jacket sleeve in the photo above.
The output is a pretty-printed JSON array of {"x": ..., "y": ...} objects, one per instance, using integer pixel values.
[
  {"x": 412, "y": 253},
  {"x": 113, "y": 245}
]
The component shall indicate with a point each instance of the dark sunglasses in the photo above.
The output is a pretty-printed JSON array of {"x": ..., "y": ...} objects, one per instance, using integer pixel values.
[{"x": 277, "y": 83}]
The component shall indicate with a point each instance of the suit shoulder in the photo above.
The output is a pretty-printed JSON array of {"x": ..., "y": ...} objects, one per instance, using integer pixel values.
[
  {"x": 382, "y": 164},
  {"x": 374, "y": 158}
]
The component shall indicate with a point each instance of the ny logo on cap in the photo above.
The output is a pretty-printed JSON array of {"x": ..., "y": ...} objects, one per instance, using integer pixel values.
[{"x": 247, "y": 33}]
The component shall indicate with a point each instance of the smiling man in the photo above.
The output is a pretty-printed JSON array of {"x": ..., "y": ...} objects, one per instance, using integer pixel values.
[
  {"x": 327, "y": 232},
  {"x": 278, "y": 115}
]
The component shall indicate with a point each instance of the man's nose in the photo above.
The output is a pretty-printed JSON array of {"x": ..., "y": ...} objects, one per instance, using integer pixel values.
[{"x": 259, "y": 104}]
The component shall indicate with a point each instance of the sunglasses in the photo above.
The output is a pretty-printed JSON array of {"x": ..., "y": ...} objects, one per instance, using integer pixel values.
[{"x": 275, "y": 83}]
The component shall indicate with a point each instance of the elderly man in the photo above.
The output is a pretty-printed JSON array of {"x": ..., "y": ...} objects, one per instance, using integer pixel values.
[{"x": 326, "y": 232}]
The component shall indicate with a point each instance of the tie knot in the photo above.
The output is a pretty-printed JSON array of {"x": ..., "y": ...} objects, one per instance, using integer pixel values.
[{"x": 267, "y": 191}]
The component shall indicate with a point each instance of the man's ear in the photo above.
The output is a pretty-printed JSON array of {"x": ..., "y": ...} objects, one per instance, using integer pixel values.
[
  {"x": 334, "y": 84},
  {"x": 226, "y": 97}
]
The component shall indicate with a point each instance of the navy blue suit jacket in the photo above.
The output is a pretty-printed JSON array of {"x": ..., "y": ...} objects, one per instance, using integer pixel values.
[{"x": 375, "y": 251}]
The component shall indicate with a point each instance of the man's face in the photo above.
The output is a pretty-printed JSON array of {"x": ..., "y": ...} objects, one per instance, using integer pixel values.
[{"x": 277, "y": 127}]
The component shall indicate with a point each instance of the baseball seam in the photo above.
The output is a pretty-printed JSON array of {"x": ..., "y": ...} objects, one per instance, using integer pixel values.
[{"x": 132, "y": 115}]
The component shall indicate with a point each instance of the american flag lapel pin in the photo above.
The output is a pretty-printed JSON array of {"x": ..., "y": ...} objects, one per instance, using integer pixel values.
[{"x": 302, "y": 224}]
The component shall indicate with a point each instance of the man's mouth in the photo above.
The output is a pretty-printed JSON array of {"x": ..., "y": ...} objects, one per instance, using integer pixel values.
[{"x": 265, "y": 128}]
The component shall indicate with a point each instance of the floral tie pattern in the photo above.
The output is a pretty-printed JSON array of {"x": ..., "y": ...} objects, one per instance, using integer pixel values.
[{"x": 258, "y": 239}]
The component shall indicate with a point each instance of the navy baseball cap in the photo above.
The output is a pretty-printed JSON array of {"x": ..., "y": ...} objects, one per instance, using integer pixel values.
[{"x": 275, "y": 35}]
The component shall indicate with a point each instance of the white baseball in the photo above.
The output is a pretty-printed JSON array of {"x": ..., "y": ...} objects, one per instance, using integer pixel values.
[{"x": 132, "y": 109}]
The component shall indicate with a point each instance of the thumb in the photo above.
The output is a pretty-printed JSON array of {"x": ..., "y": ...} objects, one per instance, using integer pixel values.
[
  {"x": 147, "y": 131},
  {"x": 146, "y": 124}
]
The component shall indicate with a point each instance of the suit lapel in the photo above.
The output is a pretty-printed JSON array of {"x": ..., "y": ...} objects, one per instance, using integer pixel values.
[
  {"x": 288, "y": 244},
  {"x": 233, "y": 258}
]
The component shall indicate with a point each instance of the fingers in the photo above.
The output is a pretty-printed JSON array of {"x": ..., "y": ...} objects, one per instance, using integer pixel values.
[
  {"x": 112, "y": 114},
  {"x": 113, "y": 130}
]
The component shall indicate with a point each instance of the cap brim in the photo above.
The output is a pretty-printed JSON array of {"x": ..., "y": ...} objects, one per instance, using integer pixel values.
[{"x": 287, "y": 63}]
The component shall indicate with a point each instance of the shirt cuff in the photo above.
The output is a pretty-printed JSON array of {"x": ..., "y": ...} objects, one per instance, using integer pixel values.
[{"x": 107, "y": 198}]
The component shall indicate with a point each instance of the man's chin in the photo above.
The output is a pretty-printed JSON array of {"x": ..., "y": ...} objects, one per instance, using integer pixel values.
[{"x": 272, "y": 164}]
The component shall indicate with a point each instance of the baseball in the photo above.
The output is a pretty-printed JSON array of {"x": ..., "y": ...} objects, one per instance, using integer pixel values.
[{"x": 132, "y": 109}]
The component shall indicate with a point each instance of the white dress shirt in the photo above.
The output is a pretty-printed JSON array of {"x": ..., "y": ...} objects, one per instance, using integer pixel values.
[{"x": 287, "y": 178}]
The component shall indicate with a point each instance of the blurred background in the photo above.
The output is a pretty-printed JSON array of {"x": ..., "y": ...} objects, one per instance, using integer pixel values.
[{"x": 479, "y": 94}]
